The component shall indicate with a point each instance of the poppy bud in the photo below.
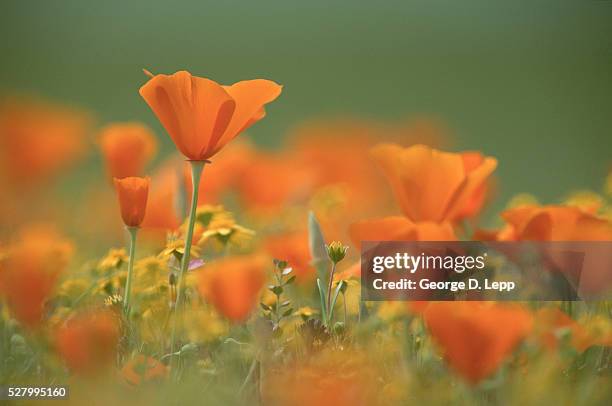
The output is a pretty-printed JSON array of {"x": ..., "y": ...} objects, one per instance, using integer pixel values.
[{"x": 336, "y": 251}]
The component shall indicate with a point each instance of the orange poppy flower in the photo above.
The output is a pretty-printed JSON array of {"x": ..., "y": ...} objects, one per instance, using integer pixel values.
[
  {"x": 230, "y": 165},
  {"x": 88, "y": 342},
  {"x": 475, "y": 337},
  {"x": 202, "y": 116},
  {"x": 38, "y": 140},
  {"x": 127, "y": 148},
  {"x": 132, "y": 193},
  {"x": 432, "y": 185},
  {"x": 30, "y": 271},
  {"x": 554, "y": 223},
  {"x": 293, "y": 248},
  {"x": 397, "y": 228},
  {"x": 272, "y": 181},
  {"x": 550, "y": 320},
  {"x": 142, "y": 368},
  {"x": 232, "y": 285},
  {"x": 162, "y": 213}
]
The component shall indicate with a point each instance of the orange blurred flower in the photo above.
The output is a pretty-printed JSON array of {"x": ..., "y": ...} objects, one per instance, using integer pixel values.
[
  {"x": 127, "y": 148},
  {"x": 202, "y": 116},
  {"x": 132, "y": 193},
  {"x": 328, "y": 378},
  {"x": 162, "y": 211},
  {"x": 230, "y": 165},
  {"x": 88, "y": 342},
  {"x": 554, "y": 223},
  {"x": 293, "y": 248},
  {"x": 432, "y": 185},
  {"x": 232, "y": 285},
  {"x": 272, "y": 181},
  {"x": 30, "y": 270},
  {"x": 551, "y": 320},
  {"x": 142, "y": 368},
  {"x": 38, "y": 140},
  {"x": 397, "y": 228},
  {"x": 476, "y": 337}
]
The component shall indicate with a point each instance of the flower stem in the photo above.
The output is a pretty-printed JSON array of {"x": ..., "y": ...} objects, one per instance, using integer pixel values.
[
  {"x": 196, "y": 174},
  {"x": 132, "y": 231},
  {"x": 329, "y": 289}
]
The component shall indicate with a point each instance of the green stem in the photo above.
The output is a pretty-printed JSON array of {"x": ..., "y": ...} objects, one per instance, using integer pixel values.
[
  {"x": 329, "y": 289},
  {"x": 196, "y": 174},
  {"x": 132, "y": 231}
]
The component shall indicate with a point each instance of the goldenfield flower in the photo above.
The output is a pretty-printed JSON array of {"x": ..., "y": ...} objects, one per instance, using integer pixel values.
[
  {"x": 202, "y": 116},
  {"x": 232, "y": 285},
  {"x": 132, "y": 194},
  {"x": 432, "y": 185},
  {"x": 29, "y": 272},
  {"x": 88, "y": 342},
  {"x": 475, "y": 337},
  {"x": 127, "y": 148}
]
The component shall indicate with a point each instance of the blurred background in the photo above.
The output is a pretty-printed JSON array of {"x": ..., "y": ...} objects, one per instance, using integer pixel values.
[{"x": 527, "y": 83}]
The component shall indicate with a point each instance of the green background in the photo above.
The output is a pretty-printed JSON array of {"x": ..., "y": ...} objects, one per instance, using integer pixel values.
[{"x": 527, "y": 82}]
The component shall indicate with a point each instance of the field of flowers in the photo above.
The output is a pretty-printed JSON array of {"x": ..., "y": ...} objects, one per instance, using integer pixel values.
[{"x": 229, "y": 274}]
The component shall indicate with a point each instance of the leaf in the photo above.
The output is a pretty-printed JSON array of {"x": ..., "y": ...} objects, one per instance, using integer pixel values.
[
  {"x": 277, "y": 290},
  {"x": 287, "y": 271},
  {"x": 287, "y": 312},
  {"x": 286, "y": 303},
  {"x": 265, "y": 306},
  {"x": 290, "y": 280},
  {"x": 323, "y": 306},
  {"x": 334, "y": 298},
  {"x": 316, "y": 242}
]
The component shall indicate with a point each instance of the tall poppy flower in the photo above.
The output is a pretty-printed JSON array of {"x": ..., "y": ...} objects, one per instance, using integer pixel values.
[
  {"x": 293, "y": 248},
  {"x": 201, "y": 117},
  {"x": 132, "y": 193},
  {"x": 127, "y": 148},
  {"x": 432, "y": 185},
  {"x": 233, "y": 284},
  {"x": 88, "y": 342},
  {"x": 475, "y": 337}
]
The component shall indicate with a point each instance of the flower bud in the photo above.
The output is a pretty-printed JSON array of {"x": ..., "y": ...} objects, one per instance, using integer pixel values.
[{"x": 336, "y": 251}]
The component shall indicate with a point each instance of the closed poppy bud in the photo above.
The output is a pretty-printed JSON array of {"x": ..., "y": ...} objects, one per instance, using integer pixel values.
[
  {"x": 202, "y": 116},
  {"x": 127, "y": 148},
  {"x": 232, "y": 285},
  {"x": 132, "y": 193},
  {"x": 336, "y": 251}
]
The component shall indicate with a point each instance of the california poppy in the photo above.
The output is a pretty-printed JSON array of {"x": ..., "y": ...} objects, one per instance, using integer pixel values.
[
  {"x": 293, "y": 248},
  {"x": 163, "y": 213},
  {"x": 554, "y": 223},
  {"x": 132, "y": 193},
  {"x": 30, "y": 271},
  {"x": 551, "y": 320},
  {"x": 202, "y": 116},
  {"x": 475, "y": 337},
  {"x": 39, "y": 139},
  {"x": 398, "y": 228},
  {"x": 88, "y": 342},
  {"x": 232, "y": 285},
  {"x": 127, "y": 148},
  {"x": 432, "y": 185},
  {"x": 143, "y": 369}
]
